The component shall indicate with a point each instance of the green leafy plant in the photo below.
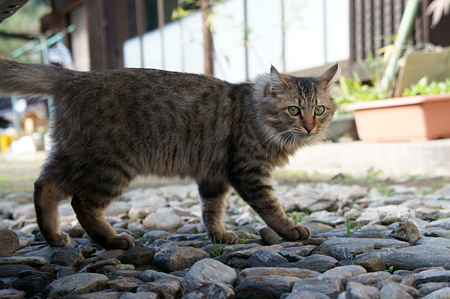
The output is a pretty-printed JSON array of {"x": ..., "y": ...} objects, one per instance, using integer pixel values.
[
  {"x": 352, "y": 90},
  {"x": 424, "y": 87},
  {"x": 26, "y": 20},
  {"x": 390, "y": 269}
]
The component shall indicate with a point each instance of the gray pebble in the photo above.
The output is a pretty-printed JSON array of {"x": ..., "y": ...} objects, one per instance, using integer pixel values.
[
  {"x": 317, "y": 262},
  {"x": 211, "y": 270},
  {"x": 76, "y": 284},
  {"x": 178, "y": 258},
  {"x": 328, "y": 285},
  {"x": 265, "y": 258}
]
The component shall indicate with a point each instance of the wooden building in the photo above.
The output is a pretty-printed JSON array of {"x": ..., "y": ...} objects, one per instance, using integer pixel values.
[{"x": 104, "y": 26}]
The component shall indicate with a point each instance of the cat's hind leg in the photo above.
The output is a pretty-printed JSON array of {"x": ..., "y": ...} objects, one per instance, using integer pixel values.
[
  {"x": 213, "y": 200},
  {"x": 47, "y": 197}
]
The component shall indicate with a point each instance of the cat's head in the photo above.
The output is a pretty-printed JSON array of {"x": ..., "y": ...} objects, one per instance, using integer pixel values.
[{"x": 295, "y": 111}]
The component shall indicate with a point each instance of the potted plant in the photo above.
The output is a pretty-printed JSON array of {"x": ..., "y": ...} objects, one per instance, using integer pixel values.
[
  {"x": 416, "y": 117},
  {"x": 422, "y": 114}
]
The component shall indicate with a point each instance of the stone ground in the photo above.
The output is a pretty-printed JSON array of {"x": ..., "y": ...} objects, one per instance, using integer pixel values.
[{"x": 374, "y": 237}]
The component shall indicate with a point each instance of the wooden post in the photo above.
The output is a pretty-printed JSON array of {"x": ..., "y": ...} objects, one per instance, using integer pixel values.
[
  {"x": 208, "y": 48},
  {"x": 140, "y": 23}
]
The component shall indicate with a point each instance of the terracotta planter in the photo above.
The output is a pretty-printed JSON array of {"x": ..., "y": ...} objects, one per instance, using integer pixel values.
[{"x": 403, "y": 119}]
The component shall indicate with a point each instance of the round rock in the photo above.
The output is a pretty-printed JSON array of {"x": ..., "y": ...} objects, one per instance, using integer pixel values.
[
  {"x": 67, "y": 256},
  {"x": 76, "y": 284},
  {"x": 418, "y": 257},
  {"x": 211, "y": 270},
  {"x": 405, "y": 231},
  {"x": 9, "y": 242},
  {"x": 316, "y": 262},
  {"x": 178, "y": 258},
  {"x": 265, "y": 258},
  {"x": 163, "y": 220}
]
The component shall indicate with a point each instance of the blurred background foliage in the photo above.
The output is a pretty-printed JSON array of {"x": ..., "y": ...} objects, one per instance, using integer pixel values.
[{"x": 26, "y": 21}]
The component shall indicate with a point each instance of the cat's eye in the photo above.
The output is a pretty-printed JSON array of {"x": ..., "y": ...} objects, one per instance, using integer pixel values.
[
  {"x": 319, "y": 110},
  {"x": 294, "y": 110}
]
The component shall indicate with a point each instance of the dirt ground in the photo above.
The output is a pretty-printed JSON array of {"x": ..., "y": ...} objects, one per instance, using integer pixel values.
[{"x": 18, "y": 172}]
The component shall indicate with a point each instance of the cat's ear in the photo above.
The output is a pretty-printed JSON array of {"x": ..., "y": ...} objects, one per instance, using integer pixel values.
[
  {"x": 330, "y": 76},
  {"x": 278, "y": 84}
]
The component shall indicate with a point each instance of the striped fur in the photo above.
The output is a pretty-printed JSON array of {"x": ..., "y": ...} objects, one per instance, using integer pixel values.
[{"x": 113, "y": 125}]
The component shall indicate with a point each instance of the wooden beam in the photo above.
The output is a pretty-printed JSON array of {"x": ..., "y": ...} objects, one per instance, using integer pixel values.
[{"x": 208, "y": 48}]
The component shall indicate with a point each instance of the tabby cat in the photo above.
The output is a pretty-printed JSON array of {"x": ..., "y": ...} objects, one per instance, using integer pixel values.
[{"x": 113, "y": 125}]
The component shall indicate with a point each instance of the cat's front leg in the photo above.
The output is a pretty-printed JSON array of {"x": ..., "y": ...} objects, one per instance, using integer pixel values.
[
  {"x": 90, "y": 215},
  {"x": 259, "y": 194},
  {"x": 213, "y": 199}
]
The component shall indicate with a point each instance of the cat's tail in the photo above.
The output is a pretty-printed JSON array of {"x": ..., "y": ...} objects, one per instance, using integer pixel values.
[{"x": 31, "y": 79}]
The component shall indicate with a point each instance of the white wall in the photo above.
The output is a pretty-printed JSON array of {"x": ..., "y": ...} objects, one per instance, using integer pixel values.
[
  {"x": 316, "y": 32},
  {"x": 265, "y": 36}
]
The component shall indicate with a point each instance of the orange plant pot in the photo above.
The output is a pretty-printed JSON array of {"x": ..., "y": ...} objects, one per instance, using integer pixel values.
[{"x": 423, "y": 117}]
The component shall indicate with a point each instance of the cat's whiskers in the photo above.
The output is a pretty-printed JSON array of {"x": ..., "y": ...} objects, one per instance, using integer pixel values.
[
  {"x": 279, "y": 135},
  {"x": 289, "y": 143},
  {"x": 294, "y": 139},
  {"x": 273, "y": 137},
  {"x": 323, "y": 136},
  {"x": 285, "y": 140},
  {"x": 335, "y": 137}
]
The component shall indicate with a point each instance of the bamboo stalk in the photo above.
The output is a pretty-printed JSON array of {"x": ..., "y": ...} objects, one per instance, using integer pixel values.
[{"x": 404, "y": 31}]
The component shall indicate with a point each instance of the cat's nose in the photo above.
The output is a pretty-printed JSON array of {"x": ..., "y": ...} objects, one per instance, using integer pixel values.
[{"x": 308, "y": 127}]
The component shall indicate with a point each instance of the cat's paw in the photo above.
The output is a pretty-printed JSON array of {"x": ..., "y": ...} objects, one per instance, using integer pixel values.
[
  {"x": 58, "y": 240},
  {"x": 125, "y": 241},
  {"x": 121, "y": 241},
  {"x": 224, "y": 237},
  {"x": 298, "y": 232}
]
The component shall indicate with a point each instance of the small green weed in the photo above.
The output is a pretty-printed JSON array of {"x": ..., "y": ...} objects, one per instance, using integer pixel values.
[
  {"x": 438, "y": 216},
  {"x": 295, "y": 216},
  {"x": 243, "y": 237},
  {"x": 217, "y": 251},
  {"x": 181, "y": 290},
  {"x": 408, "y": 217},
  {"x": 241, "y": 203},
  {"x": 217, "y": 248},
  {"x": 428, "y": 191},
  {"x": 291, "y": 174},
  {"x": 390, "y": 269},
  {"x": 385, "y": 190},
  {"x": 348, "y": 227},
  {"x": 373, "y": 175},
  {"x": 313, "y": 184}
]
